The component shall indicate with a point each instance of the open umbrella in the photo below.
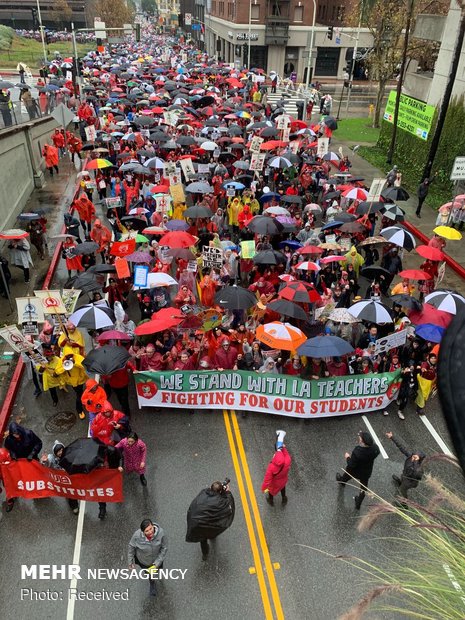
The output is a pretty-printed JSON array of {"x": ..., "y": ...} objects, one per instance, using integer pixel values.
[
  {"x": 300, "y": 292},
  {"x": 415, "y": 274},
  {"x": 308, "y": 266},
  {"x": 86, "y": 282},
  {"x": 371, "y": 311},
  {"x": 268, "y": 257},
  {"x": 356, "y": 193},
  {"x": 447, "y": 301},
  {"x": 448, "y": 233},
  {"x": 199, "y": 187},
  {"x": 288, "y": 308},
  {"x": 88, "y": 247},
  {"x": 264, "y": 225},
  {"x": 177, "y": 225},
  {"x": 429, "y": 332},
  {"x": 113, "y": 334},
  {"x": 276, "y": 211},
  {"x": 375, "y": 273},
  {"x": 399, "y": 236},
  {"x": 235, "y": 298},
  {"x": 198, "y": 212},
  {"x": 93, "y": 317},
  {"x": 29, "y": 217},
  {"x": 98, "y": 164},
  {"x": 430, "y": 253},
  {"x": 407, "y": 301},
  {"x": 310, "y": 249},
  {"x": 340, "y": 315},
  {"x": 139, "y": 257},
  {"x": 106, "y": 359},
  {"x": 178, "y": 239},
  {"x": 325, "y": 346},
  {"x": 82, "y": 456},
  {"x": 13, "y": 233},
  {"x": 102, "y": 268},
  {"x": 160, "y": 279},
  {"x": 431, "y": 315},
  {"x": 395, "y": 194},
  {"x": 393, "y": 212},
  {"x": 156, "y": 325},
  {"x": 279, "y": 162},
  {"x": 279, "y": 335},
  {"x": 370, "y": 207}
]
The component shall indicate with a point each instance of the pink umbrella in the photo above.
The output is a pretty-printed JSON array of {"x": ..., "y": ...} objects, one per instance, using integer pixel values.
[
  {"x": 139, "y": 257},
  {"x": 113, "y": 334},
  {"x": 308, "y": 265},
  {"x": 332, "y": 259},
  {"x": 429, "y": 314}
]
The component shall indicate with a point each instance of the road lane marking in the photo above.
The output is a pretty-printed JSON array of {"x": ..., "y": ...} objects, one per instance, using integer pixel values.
[
  {"x": 384, "y": 454},
  {"x": 439, "y": 440},
  {"x": 76, "y": 558},
  {"x": 258, "y": 521},
  {"x": 248, "y": 520}
]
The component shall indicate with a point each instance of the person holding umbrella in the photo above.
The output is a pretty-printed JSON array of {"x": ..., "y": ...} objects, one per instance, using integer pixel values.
[
  {"x": 277, "y": 472},
  {"x": 20, "y": 256},
  {"x": 148, "y": 548}
]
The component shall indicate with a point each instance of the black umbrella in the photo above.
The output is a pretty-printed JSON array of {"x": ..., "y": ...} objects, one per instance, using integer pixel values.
[
  {"x": 292, "y": 200},
  {"x": 235, "y": 298},
  {"x": 265, "y": 225},
  {"x": 353, "y": 227},
  {"x": 407, "y": 301},
  {"x": 203, "y": 101},
  {"x": 86, "y": 282},
  {"x": 342, "y": 216},
  {"x": 330, "y": 122},
  {"x": 106, "y": 360},
  {"x": 105, "y": 268},
  {"x": 235, "y": 130},
  {"x": 372, "y": 207},
  {"x": 269, "y": 257},
  {"x": 288, "y": 308},
  {"x": 185, "y": 140},
  {"x": 375, "y": 273},
  {"x": 88, "y": 247},
  {"x": 136, "y": 223},
  {"x": 212, "y": 122},
  {"x": 395, "y": 194},
  {"x": 83, "y": 455},
  {"x": 197, "y": 211}
]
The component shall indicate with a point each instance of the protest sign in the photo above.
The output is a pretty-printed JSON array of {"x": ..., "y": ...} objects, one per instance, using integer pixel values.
[
  {"x": 230, "y": 192},
  {"x": 163, "y": 203},
  {"x": 70, "y": 297},
  {"x": 267, "y": 393},
  {"x": 397, "y": 339},
  {"x": 286, "y": 134},
  {"x": 141, "y": 273},
  {"x": 30, "y": 328},
  {"x": 31, "y": 480},
  {"x": 375, "y": 190},
  {"x": 203, "y": 169},
  {"x": 248, "y": 249},
  {"x": 188, "y": 169},
  {"x": 51, "y": 302},
  {"x": 113, "y": 203},
  {"x": 177, "y": 193},
  {"x": 256, "y": 161},
  {"x": 122, "y": 268},
  {"x": 123, "y": 248},
  {"x": 91, "y": 133},
  {"x": 175, "y": 177},
  {"x": 192, "y": 266},
  {"x": 282, "y": 121},
  {"x": 29, "y": 309},
  {"x": 323, "y": 146},
  {"x": 15, "y": 339},
  {"x": 255, "y": 144},
  {"x": 212, "y": 257}
]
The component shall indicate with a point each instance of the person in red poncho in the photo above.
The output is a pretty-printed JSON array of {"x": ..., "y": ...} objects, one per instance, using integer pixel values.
[
  {"x": 50, "y": 154},
  {"x": 86, "y": 211},
  {"x": 108, "y": 424},
  {"x": 93, "y": 398},
  {"x": 58, "y": 140},
  {"x": 101, "y": 235},
  {"x": 277, "y": 472}
]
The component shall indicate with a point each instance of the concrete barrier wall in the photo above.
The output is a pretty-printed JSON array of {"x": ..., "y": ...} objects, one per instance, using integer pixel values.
[{"x": 21, "y": 166}]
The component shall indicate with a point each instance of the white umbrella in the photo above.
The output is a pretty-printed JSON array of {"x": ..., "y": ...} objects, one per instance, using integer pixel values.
[
  {"x": 155, "y": 162},
  {"x": 93, "y": 317},
  {"x": 371, "y": 311},
  {"x": 399, "y": 236},
  {"x": 447, "y": 301},
  {"x": 158, "y": 279},
  {"x": 341, "y": 315},
  {"x": 209, "y": 145},
  {"x": 280, "y": 162},
  {"x": 277, "y": 211}
]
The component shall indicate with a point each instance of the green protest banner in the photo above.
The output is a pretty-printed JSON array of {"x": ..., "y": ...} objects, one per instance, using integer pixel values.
[
  {"x": 269, "y": 393},
  {"x": 415, "y": 116}
]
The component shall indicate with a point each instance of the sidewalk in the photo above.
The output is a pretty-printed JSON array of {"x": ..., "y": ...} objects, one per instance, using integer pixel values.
[{"x": 455, "y": 249}]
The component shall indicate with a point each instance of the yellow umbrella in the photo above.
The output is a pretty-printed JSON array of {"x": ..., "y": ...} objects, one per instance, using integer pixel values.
[{"x": 448, "y": 233}]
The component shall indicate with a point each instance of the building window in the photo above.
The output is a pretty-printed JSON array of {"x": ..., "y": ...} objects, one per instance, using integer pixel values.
[
  {"x": 213, "y": 6},
  {"x": 299, "y": 14},
  {"x": 230, "y": 10},
  {"x": 255, "y": 12},
  {"x": 221, "y": 8},
  {"x": 341, "y": 13}
]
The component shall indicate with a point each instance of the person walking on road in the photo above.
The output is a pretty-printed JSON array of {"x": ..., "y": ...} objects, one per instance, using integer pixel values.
[
  {"x": 134, "y": 453},
  {"x": 413, "y": 467},
  {"x": 422, "y": 192},
  {"x": 210, "y": 514},
  {"x": 148, "y": 548},
  {"x": 359, "y": 464},
  {"x": 50, "y": 154},
  {"x": 20, "y": 256},
  {"x": 277, "y": 472},
  {"x": 52, "y": 460}
]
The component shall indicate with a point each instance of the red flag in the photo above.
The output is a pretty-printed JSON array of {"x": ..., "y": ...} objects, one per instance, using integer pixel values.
[
  {"x": 123, "y": 248},
  {"x": 31, "y": 480}
]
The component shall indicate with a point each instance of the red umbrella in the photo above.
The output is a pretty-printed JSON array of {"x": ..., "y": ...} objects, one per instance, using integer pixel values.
[
  {"x": 272, "y": 144},
  {"x": 167, "y": 313},
  {"x": 415, "y": 274},
  {"x": 178, "y": 239},
  {"x": 429, "y": 314},
  {"x": 299, "y": 291},
  {"x": 430, "y": 253},
  {"x": 13, "y": 233},
  {"x": 310, "y": 249},
  {"x": 154, "y": 230},
  {"x": 159, "y": 189},
  {"x": 113, "y": 334},
  {"x": 332, "y": 259},
  {"x": 155, "y": 326}
]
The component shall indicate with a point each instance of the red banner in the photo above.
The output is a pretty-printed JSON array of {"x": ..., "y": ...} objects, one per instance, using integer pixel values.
[
  {"x": 31, "y": 480},
  {"x": 123, "y": 248}
]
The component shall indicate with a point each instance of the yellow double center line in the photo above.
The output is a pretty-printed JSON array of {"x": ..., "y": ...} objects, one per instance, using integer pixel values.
[{"x": 263, "y": 565}]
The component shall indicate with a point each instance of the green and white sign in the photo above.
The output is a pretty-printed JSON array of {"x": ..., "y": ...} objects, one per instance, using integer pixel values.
[{"x": 415, "y": 116}]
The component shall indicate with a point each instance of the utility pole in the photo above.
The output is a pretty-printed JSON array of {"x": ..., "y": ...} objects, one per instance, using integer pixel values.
[
  {"x": 354, "y": 59},
  {"x": 250, "y": 35},
  {"x": 400, "y": 82},
  {"x": 447, "y": 96},
  {"x": 309, "y": 62},
  {"x": 39, "y": 15}
]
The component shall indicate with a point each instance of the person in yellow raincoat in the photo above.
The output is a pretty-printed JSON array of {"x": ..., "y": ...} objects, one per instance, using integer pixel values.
[
  {"x": 72, "y": 337},
  {"x": 353, "y": 258},
  {"x": 403, "y": 288},
  {"x": 248, "y": 199},
  {"x": 426, "y": 382},
  {"x": 51, "y": 380},
  {"x": 235, "y": 206},
  {"x": 73, "y": 373},
  {"x": 178, "y": 210}
]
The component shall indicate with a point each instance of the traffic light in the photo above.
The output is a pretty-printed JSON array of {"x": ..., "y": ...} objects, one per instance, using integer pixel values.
[
  {"x": 181, "y": 20},
  {"x": 48, "y": 38},
  {"x": 138, "y": 32},
  {"x": 35, "y": 22},
  {"x": 329, "y": 34}
]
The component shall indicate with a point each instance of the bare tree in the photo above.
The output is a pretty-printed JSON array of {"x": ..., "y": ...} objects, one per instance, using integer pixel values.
[{"x": 114, "y": 13}]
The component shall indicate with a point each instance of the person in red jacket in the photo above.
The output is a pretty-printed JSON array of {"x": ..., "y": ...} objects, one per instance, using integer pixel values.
[
  {"x": 58, "y": 140},
  {"x": 277, "y": 472},
  {"x": 107, "y": 422},
  {"x": 226, "y": 356},
  {"x": 86, "y": 211},
  {"x": 50, "y": 154},
  {"x": 118, "y": 382}
]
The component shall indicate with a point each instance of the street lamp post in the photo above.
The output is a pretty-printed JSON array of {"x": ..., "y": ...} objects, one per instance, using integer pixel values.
[
  {"x": 249, "y": 35},
  {"x": 309, "y": 62},
  {"x": 39, "y": 15},
  {"x": 354, "y": 59}
]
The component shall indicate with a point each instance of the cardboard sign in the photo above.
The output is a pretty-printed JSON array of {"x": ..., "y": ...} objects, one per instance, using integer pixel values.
[
  {"x": 230, "y": 192},
  {"x": 30, "y": 328},
  {"x": 177, "y": 193},
  {"x": 376, "y": 188},
  {"x": 141, "y": 273},
  {"x": 323, "y": 147},
  {"x": 91, "y": 134},
  {"x": 257, "y": 161},
  {"x": 70, "y": 297},
  {"x": 113, "y": 203},
  {"x": 255, "y": 144},
  {"x": 163, "y": 203},
  {"x": 122, "y": 268},
  {"x": 282, "y": 121},
  {"x": 212, "y": 257},
  {"x": 29, "y": 309},
  {"x": 188, "y": 169},
  {"x": 15, "y": 339},
  {"x": 51, "y": 302},
  {"x": 175, "y": 178},
  {"x": 397, "y": 339},
  {"x": 286, "y": 134},
  {"x": 192, "y": 266},
  {"x": 330, "y": 239}
]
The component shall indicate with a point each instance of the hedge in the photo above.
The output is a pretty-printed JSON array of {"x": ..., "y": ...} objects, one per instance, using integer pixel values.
[{"x": 6, "y": 37}]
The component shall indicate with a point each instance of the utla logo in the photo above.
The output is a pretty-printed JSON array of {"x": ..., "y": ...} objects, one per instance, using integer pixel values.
[{"x": 147, "y": 389}]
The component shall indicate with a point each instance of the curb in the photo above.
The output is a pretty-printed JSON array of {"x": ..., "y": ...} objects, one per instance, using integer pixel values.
[
  {"x": 453, "y": 264},
  {"x": 15, "y": 382}
]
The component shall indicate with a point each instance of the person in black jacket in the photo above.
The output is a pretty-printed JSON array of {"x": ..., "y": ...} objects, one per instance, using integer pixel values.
[
  {"x": 210, "y": 514},
  {"x": 413, "y": 467},
  {"x": 360, "y": 464},
  {"x": 22, "y": 443}
]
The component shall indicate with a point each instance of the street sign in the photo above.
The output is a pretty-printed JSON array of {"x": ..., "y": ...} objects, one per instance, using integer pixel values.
[
  {"x": 62, "y": 115},
  {"x": 195, "y": 26},
  {"x": 100, "y": 32},
  {"x": 458, "y": 169},
  {"x": 188, "y": 19},
  {"x": 338, "y": 40}
]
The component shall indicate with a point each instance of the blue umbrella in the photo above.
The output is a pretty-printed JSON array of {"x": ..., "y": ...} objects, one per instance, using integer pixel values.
[
  {"x": 233, "y": 185},
  {"x": 331, "y": 225},
  {"x": 325, "y": 346},
  {"x": 268, "y": 197},
  {"x": 52, "y": 87},
  {"x": 177, "y": 225},
  {"x": 293, "y": 245},
  {"x": 430, "y": 332}
]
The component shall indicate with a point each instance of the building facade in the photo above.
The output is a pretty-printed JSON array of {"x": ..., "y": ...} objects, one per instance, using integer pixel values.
[{"x": 278, "y": 33}]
